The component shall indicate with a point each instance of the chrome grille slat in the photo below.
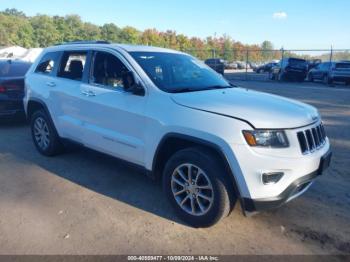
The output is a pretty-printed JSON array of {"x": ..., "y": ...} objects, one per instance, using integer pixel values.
[
  {"x": 311, "y": 139},
  {"x": 316, "y": 138}
]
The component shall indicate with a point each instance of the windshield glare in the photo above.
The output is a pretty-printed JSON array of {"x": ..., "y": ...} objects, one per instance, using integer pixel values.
[{"x": 178, "y": 72}]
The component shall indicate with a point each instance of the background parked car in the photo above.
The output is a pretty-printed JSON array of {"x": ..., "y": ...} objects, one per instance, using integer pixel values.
[
  {"x": 253, "y": 66},
  {"x": 331, "y": 71},
  {"x": 232, "y": 65},
  {"x": 289, "y": 69},
  {"x": 12, "y": 87},
  {"x": 242, "y": 65},
  {"x": 217, "y": 64},
  {"x": 313, "y": 63},
  {"x": 266, "y": 68}
]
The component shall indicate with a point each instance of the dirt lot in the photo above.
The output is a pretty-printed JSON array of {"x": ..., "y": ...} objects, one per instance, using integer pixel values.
[{"x": 84, "y": 202}]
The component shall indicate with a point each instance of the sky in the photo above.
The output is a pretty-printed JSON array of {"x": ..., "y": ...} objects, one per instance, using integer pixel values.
[{"x": 291, "y": 24}]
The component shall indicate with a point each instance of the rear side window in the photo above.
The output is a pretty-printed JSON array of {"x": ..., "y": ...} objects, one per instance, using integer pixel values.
[
  {"x": 13, "y": 69},
  {"x": 72, "y": 65},
  {"x": 48, "y": 63}
]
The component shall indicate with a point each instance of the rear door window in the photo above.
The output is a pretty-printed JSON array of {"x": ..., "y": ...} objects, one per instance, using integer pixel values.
[
  {"x": 48, "y": 63},
  {"x": 72, "y": 65}
]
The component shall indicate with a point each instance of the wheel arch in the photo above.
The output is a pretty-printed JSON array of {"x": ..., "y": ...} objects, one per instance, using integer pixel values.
[
  {"x": 172, "y": 142},
  {"x": 35, "y": 104}
]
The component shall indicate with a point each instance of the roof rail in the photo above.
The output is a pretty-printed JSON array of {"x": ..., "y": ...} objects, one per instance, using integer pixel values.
[{"x": 84, "y": 42}]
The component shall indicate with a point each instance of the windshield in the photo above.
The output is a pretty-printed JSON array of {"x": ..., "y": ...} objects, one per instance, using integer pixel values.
[{"x": 178, "y": 72}]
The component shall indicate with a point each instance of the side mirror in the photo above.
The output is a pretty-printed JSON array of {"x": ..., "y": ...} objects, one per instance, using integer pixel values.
[{"x": 130, "y": 84}]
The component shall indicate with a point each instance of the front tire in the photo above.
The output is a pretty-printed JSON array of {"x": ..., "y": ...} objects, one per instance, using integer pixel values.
[
  {"x": 45, "y": 137},
  {"x": 198, "y": 187},
  {"x": 327, "y": 80},
  {"x": 280, "y": 77}
]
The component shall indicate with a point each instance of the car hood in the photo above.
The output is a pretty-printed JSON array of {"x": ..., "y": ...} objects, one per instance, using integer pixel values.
[{"x": 261, "y": 110}]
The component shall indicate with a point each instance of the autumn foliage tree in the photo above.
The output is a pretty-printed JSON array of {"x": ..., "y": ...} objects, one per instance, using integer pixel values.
[{"x": 42, "y": 30}]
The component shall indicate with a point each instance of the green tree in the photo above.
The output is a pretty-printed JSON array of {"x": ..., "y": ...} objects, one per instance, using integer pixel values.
[
  {"x": 5, "y": 34},
  {"x": 169, "y": 39},
  {"x": 61, "y": 27},
  {"x": 151, "y": 37},
  {"x": 13, "y": 12},
  {"x": 227, "y": 48},
  {"x": 110, "y": 32},
  {"x": 74, "y": 28},
  {"x": 42, "y": 30},
  {"x": 91, "y": 32},
  {"x": 183, "y": 41},
  {"x": 267, "y": 50},
  {"x": 129, "y": 35},
  {"x": 45, "y": 32},
  {"x": 15, "y": 30}
]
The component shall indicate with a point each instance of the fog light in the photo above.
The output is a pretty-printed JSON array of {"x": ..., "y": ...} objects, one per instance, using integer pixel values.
[{"x": 271, "y": 178}]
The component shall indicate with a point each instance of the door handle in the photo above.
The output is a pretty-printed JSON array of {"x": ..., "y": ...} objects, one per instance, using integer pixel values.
[
  {"x": 51, "y": 84},
  {"x": 88, "y": 93}
]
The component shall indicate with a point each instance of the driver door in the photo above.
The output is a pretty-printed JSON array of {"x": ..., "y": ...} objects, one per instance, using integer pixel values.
[{"x": 113, "y": 119}]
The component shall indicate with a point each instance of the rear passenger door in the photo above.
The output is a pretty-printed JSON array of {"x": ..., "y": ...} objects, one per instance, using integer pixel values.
[
  {"x": 67, "y": 94},
  {"x": 44, "y": 79}
]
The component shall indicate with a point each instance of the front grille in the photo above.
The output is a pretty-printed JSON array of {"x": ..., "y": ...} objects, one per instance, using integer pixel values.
[{"x": 311, "y": 139}]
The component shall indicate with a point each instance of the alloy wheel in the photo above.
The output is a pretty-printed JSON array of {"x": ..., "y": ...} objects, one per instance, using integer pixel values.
[
  {"x": 192, "y": 189},
  {"x": 41, "y": 133}
]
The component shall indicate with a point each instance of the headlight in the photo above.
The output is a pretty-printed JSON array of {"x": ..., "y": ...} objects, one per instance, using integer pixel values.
[{"x": 266, "y": 138}]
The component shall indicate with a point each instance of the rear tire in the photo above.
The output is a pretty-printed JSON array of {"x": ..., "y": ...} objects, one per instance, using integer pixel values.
[
  {"x": 45, "y": 137},
  {"x": 310, "y": 78},
  {"x": 197, "y": 185}
]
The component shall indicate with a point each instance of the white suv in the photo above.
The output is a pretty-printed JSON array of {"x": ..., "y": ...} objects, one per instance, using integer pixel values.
[{"x": 210, "y": 142}]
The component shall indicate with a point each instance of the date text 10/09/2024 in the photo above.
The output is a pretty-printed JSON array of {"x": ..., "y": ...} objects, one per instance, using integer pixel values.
[{"x": 173, "y": 258}]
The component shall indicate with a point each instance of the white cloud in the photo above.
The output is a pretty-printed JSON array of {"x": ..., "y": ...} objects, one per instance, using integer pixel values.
[{"x": 279, "y": 15}]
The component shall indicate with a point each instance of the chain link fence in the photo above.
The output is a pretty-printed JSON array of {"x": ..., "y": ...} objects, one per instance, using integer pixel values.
[{"x": 250, "y": 64}]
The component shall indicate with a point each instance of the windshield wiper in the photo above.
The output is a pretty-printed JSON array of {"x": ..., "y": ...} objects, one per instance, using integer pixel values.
[
  {"x": 217, "y": 87},
  {"x": 184, "y": 90},
  {"x": 188, "y": 89}
]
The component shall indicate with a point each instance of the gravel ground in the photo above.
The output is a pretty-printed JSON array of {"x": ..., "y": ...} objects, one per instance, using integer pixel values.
[{"x": 83, "y": 202}]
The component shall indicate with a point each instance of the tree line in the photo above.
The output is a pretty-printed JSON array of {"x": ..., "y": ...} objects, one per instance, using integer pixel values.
[{"x": 42, "y": 30}]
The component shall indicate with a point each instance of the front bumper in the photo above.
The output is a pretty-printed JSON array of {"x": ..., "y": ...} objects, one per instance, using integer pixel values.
[
  {"x": 294, "y": 74},
  {"x": 341, "y": 78},
  {"x": 295, "y": 189}
]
